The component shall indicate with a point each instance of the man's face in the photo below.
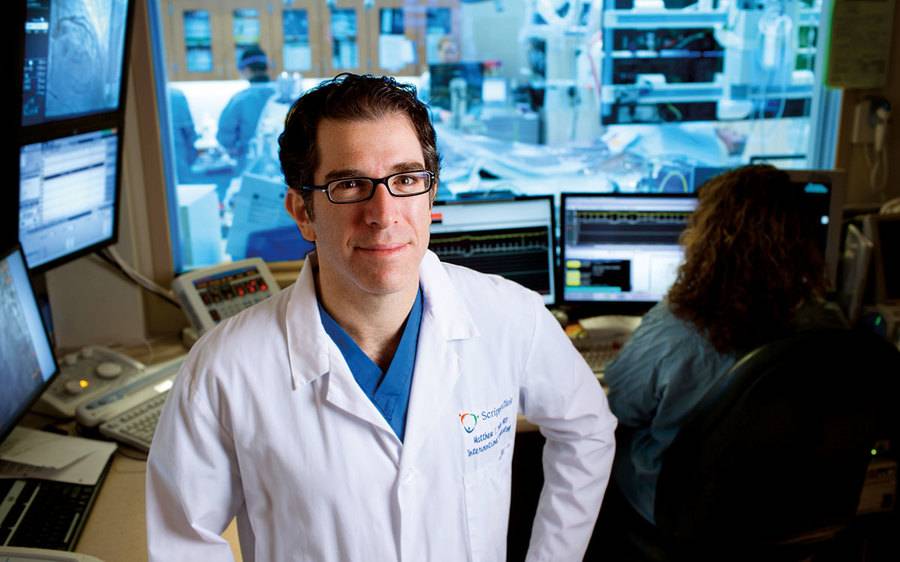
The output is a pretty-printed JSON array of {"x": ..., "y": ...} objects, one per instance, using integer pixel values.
[{"x": 371, "y": 247}]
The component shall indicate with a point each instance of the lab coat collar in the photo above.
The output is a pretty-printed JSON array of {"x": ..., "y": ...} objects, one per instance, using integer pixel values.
[
  {"x": 307, "y": 340},
  {"x": 446, "y": 321},
  {"x": 443, "y": 302},
  {"x": 445, "y": 312}
]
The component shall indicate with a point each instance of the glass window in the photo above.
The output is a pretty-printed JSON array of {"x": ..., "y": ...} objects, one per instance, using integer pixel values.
[
  {"x": 296, "y": 51},
  {"x": 527, "y": 97},
  {"x": 344, "y": 50},
  {"x": 198, "y": 41},
  {"x": 245, "y": 30}
]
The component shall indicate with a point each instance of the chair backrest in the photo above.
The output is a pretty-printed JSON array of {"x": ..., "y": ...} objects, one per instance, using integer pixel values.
[{"x": 780, "y": 448}]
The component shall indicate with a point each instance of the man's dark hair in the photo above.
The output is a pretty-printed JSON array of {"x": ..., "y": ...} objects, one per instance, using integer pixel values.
[
  {"x": 348, "y": 97},
  {"x": 255, "y": 59},
  {"x": 751, "y": 259}
]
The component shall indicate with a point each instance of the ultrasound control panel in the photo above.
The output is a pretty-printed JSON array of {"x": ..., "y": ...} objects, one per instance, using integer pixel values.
[
  {"x": 85, "y": 374},
  {"x": 209, "y": 296}
]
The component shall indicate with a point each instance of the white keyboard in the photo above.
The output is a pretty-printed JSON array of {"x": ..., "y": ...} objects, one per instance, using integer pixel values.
[
  {"x": 136, "y": 426},
  {"x": 129, "y": 414}
]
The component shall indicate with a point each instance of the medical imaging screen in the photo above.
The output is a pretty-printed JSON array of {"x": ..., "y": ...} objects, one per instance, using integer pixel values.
[
  {"x": 620, "y": 247},
  {"x": 67, "y": 195},
  {"x": 513, "y": 239},
  {"x": 73, "y": 63},
  {"x": 26, "y": 356}
]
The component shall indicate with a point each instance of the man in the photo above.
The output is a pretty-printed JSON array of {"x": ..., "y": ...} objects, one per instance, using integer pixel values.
[
  {"x": 239, "y": 120},
  {"x": 368, "y": 412}
]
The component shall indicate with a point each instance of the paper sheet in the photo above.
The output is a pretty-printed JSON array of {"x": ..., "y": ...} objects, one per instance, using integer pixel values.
[{"x": 29, "y": 453}]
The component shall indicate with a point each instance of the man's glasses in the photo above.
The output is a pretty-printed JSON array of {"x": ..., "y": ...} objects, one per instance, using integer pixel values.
[{"x": 354, "y": 190}]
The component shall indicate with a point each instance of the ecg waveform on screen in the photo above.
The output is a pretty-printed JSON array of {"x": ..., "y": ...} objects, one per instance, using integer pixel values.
[
  {"x": 625, "y": 227},
  {"x": 520, "y": 254},
  {"x": 634, "y": 217}
]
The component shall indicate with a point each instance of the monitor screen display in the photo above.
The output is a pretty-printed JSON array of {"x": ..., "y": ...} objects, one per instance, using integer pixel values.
[
  {"x": 513, "y": 238},
  {"x": 469, "y": 75},
  {"x": 68, "y": 192},
  {"x": 621, "y": 248},
  {"x": 74, "y": 58},
  {"x": 26, "y": 354},
  {"x": 824, "y": 191}
]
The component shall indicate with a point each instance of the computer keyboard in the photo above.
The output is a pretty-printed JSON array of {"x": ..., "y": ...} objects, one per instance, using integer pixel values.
[
  {"x": 598, "y": 352},
  {"x": 136, "y": 426},
  {"x": 43, "y": 513}
]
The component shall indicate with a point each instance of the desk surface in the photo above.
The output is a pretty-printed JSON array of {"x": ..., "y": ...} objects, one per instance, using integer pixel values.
[{"x": 115, "y": 530}]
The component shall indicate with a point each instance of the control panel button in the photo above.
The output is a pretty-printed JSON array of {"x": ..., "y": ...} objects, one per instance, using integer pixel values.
[
  {"x": 70, "y": 359},
  {"x": 109, "y": 370},
  {"x": 76, "y": 386},
  {"x": 87, "y": 352}
]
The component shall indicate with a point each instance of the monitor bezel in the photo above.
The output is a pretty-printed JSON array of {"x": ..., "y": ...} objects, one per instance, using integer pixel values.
[
  {"x": 554, "y": 269},
  {"x": 79, "y": 120},
  {"x": 872, "y": 229},
  {"x": 582, "y": 308},
  {"x": 96, "y": 124},
  {"x": 836, "y": 179},
  {"x": 27, "y": 404}
]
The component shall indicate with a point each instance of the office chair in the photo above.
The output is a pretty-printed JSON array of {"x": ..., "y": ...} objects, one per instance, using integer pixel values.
[{"x": 771, "y": 464}]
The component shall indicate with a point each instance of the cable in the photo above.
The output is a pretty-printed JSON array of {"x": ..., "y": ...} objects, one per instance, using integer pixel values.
[{"x": 111, "y": 257}]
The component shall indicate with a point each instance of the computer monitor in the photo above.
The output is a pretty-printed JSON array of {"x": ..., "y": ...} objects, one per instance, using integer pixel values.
[
  {"x": 68, "y": 196},
  {"x": 27, "y": 365},
  {"x": 824, "y": 191},
  {"x": 621, "y": 249},
  {"x": 856, "y": 259},
  {"x": 74, "y": 58},
  {"x": 513, "y": 238},
  {"x": 442, "y": 73},
  {"x": 884, "y": 231}
]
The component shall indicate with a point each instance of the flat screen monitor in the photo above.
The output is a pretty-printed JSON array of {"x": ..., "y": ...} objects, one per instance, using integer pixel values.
[
  {"x": 68, "y": 196},
  {"x": 513, "y": 238},
  {"x": 74, "y": 58},
  {"x": 27, "y": 365},
  {"x": 824, "y": 191},
  {"x": 621, "y": 249},
  {"x": 884, "y": 231},
  {"x": 441, "y": 74}
]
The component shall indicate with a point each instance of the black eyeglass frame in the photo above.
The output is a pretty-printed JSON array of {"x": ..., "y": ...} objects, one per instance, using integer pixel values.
[{"x": 375, "y": 181}]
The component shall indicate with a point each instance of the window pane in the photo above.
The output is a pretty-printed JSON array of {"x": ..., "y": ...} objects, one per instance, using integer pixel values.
[
  {"x": 395, "y": 51},
  {"x": 244, "y": 30},
  {"x": 198, "y": 41},
  {"x": 296, "y": 51},
  {"x": 344, "y": 52},
  {"x": 627, "y": 95}
]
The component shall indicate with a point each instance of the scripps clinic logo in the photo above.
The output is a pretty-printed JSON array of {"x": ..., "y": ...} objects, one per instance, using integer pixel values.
[{"x": 468, "y": 421}]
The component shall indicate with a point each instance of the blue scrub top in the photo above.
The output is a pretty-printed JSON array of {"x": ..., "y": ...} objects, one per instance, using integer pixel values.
[{"x": 389, "y": 391}]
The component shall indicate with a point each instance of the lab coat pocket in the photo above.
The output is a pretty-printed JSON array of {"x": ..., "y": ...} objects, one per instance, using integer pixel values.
[{"x": 487, "y": 510}]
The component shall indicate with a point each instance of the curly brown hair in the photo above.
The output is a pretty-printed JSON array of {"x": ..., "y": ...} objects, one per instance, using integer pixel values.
[{"x": 751, "y": 259}]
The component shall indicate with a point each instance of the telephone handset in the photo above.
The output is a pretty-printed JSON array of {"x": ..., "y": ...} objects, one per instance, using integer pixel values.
[{"x": 211, "y": 295}]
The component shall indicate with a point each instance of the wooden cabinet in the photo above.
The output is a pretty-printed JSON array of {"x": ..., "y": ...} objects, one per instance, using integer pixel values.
[
  {"x": 204, "y": 38},
  {"x": 195, "y": 49},
  {"x": 299, "y": 31}
]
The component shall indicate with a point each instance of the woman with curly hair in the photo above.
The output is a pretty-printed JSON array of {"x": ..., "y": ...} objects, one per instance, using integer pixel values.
[{"x": 752, "y": 272}]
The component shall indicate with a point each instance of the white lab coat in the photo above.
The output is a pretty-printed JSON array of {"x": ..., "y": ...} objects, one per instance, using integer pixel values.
[{"x": 266, "y": 422}]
